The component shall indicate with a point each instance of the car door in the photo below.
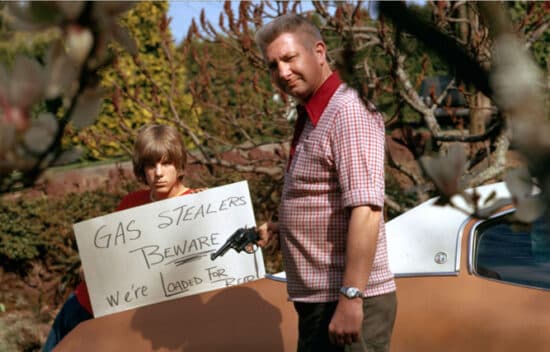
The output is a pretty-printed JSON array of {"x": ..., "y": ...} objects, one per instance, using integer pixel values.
[{"x": 490, "y": 302}]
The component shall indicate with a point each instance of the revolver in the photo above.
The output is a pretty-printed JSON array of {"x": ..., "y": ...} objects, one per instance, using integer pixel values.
[{"x": 239, "y": 240}]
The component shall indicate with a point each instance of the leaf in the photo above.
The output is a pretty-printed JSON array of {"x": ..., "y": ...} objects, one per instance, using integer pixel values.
[
  {"x": 62, "y": 72},
  {"x": 17, "y": 116},
  {"x": 47, "y": 12},
  {"x": 519, "y": 182},
  {"x": 4, "y": 81},
  {"x": 41, "y": 133},
  {"x": 113, "y": 8},
  {"x": 87, "y": 108},
  {"x": 122, "y": 36},
  {"x": 71, "y": 9},
  {"x": 446, "y": 171},
  {"x": 529, "y": 209},
  {"x": 78, "y": 41},
  {"x": 19, "y": 16},
  {"x": 7, "y": 138},
  {"x": 27, "y": 82},
  {"x": 489, "y": 209},
  {"x": 69, "y": 156}
]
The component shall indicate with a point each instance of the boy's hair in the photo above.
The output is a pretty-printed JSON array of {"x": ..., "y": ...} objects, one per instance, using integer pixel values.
[
  {"x": 156, "y": 143},
  {"x": 288, "y": 23}
]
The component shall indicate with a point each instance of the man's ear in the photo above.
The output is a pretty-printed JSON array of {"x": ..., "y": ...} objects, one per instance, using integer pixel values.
[{"x": 320, "y": 50}]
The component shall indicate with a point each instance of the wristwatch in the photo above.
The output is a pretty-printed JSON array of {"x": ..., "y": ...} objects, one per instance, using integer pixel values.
[{"x": 351, "y": 292}]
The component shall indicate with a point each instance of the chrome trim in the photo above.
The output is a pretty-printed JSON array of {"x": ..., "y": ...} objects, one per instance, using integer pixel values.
[
  {"x": 427, "y": 274},
  {"x": 471, "y": 239},
  {"x": 275, "y": 278},
  {"x": 459, "y": 238},
  {"x": 424, "y": 274}
]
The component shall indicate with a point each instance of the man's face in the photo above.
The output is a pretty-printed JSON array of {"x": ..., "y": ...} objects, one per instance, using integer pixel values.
[{"x": 295, "y": 69}]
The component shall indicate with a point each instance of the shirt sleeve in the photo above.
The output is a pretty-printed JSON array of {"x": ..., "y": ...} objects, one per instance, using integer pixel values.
[
  {"x": 125, "y": 203},
  {"x": 358, "y": 149}
]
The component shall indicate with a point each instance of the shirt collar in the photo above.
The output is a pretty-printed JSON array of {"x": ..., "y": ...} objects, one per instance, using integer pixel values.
[{"x": 319, "y": 101}]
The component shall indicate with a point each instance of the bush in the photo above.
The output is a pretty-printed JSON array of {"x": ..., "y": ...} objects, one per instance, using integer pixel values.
[{"x": 40, "y": 229}]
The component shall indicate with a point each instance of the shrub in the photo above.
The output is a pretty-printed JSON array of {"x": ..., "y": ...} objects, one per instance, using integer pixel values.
[{"x": 40, "y": 229}]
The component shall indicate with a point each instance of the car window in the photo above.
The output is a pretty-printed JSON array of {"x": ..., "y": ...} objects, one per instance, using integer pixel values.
[{"x": 513, "y": 253}]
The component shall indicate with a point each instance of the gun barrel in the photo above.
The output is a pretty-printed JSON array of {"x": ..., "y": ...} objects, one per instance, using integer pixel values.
[
  {"x": 220, "y": 251},
  {"x": 238, "y": 241}
]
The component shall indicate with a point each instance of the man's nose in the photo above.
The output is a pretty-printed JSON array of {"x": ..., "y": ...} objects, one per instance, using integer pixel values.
[{"x": 283, "y": 70}]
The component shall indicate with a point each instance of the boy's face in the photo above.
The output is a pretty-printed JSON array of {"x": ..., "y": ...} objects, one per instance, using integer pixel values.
[
  {"x": 162, "y": 178},
  {"x": 295, "y": 69}
]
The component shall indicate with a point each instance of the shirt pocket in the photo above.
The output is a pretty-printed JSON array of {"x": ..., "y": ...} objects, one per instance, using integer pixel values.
[{"x": 313, "y": 161}]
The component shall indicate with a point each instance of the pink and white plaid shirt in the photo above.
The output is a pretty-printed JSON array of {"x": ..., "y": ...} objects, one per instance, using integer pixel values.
[{"x": 337, "y": 164}]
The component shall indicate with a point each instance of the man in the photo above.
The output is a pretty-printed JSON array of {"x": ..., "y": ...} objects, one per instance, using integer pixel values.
[{"x": 331, "y": 228}]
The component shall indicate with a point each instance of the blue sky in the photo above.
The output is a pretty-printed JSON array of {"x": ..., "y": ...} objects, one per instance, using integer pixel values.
[{"x": 183, "y": 11}]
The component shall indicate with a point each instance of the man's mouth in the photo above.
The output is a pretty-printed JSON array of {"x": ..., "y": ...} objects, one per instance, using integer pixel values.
[{"x": 292, "y": 84}]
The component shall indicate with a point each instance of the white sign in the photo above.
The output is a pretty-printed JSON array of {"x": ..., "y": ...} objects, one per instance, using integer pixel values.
[{"x": 161, "y": 251}]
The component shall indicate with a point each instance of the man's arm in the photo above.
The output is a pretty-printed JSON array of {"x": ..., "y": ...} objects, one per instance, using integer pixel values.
[{"x": 345, "y": 326}]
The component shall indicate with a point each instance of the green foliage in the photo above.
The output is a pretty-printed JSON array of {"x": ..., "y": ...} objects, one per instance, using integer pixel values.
[
  {"x": 236, "y": 98},
  {"x": 13, "y": 43},
  {"x": 383, "y": 87},
  {"x": 40, "y": 229},
  {"x": 529, "y": 15},
  {"x": 140, "y": 89},
  {"x": 25, "y": 43}
]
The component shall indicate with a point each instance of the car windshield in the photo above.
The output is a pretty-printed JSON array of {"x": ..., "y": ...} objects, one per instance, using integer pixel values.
[{"x": 512, "y": 252}]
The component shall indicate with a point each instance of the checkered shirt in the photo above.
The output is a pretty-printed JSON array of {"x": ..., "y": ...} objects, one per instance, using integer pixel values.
[{"x": 338, "y": 164}]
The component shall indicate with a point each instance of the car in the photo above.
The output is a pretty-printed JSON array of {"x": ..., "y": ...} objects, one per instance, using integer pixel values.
[
  {"x": 466, "y": 284},
  {"x": 463, "y": 284}
]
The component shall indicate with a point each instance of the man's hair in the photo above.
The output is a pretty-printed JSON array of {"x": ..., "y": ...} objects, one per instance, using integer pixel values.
[
  {"x": 158, "y": 143},
  {"x": 289, "y": 23}
]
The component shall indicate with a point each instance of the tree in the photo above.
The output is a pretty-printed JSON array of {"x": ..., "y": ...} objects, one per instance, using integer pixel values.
[
  {"x": 141, "y": 87},
  {"x": 502, "y": 70},
  {"x": 38, "y": 98},
  {"x": 380, "y": 60},
  {"x": 379, "y": 57}
]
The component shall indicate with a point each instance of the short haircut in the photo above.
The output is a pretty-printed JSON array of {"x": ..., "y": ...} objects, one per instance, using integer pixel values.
[
  {"x": 289, "y": 23},
  {"x": 156, "y": 143}
]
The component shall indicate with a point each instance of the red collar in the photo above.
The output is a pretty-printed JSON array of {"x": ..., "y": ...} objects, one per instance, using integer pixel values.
[{"x": 319, "y": 101}]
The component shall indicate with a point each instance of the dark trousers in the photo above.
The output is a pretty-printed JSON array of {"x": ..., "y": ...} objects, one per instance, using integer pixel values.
[
  {"x": 379, "y": 317},
  {"x": 70, "y": 315}
]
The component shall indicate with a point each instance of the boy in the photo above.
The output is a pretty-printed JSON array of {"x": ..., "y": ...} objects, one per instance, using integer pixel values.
[{"x": 159, "y": 160}]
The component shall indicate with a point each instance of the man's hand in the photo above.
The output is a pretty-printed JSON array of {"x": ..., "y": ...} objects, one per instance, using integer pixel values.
[
  {"x": 345, "y": 326},
  {"x": 269, "y": 236}
]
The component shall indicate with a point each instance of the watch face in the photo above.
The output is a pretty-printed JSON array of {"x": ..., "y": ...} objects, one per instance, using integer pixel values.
[{"x": 350, "y": 292}]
